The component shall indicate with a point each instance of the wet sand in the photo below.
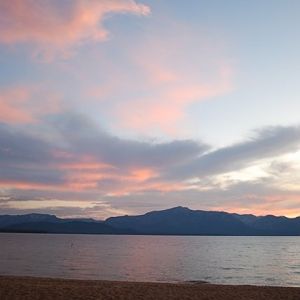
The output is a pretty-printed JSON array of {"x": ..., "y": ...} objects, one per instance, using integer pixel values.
[{"x": 28, "y": 288}]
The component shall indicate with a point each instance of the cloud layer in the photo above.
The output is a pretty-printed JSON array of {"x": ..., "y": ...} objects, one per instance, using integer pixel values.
[
  {"x": 84, "y": 156},
  {"x": 81, "y": 161}
]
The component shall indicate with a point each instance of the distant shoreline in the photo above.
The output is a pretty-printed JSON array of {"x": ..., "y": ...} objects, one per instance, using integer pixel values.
[
  {"x": 33, "y": 288},
  {"x": 146, "y": 234},
  {"x": 178, "y": 221}
]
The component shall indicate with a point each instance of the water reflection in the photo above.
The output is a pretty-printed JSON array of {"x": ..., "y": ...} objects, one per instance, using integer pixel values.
[{"x": 234, "y": 260}]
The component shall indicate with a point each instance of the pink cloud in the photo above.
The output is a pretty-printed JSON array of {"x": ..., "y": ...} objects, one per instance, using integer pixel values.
[
  {"x": 88, "y": 176},
  {"x": 84, "y": 172},
  {"x": 172, "y": 68},
  {"x": 25, "y": 104},
  {"x": 57, "y": 26},
  {"x": 26, "y": 185},
  {"x": 11, "y": 102},
  {"x": 281, "y": 204},
  {"x": 167, "y": 107}
]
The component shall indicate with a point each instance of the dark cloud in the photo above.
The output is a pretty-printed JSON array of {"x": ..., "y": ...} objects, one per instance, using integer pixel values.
[
  {"x": 268, "y": 142},
  {"x": 83, "y": 137},
  {"x": 35, "y": 174},
  {"x": 26, "y": 158},
  {"x": 18, "y": 146}
]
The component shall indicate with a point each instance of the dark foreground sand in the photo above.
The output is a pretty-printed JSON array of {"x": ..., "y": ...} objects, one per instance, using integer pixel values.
[{"x": 12, "y": 288}]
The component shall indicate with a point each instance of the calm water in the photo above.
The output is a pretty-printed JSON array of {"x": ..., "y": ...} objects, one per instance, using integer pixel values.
[{"x": 232, "y": 260}]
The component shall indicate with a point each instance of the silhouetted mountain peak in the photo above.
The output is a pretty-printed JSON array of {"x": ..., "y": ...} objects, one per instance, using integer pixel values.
[
  {"x": 177, "y": 209},
  {"x": 36, "y": 216},
  {"x": 182, "y": 220},
  {"x": 180, "y": 208}
]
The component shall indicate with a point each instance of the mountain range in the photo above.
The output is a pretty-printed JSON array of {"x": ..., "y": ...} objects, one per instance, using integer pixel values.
[{"x": 173, "y": 221}]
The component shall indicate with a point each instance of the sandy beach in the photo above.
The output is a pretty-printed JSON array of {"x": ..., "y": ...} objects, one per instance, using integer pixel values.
[{"x": 28, "y": 288}]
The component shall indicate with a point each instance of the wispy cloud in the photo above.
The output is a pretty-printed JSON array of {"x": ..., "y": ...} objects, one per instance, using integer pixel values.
[
  {"x": 170, "y": 71},
  {"x": 27, "y": 103},
  {"x": 267, "y": 142}
]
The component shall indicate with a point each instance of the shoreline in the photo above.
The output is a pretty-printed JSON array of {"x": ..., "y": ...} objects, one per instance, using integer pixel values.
[
  {"x": 33, "y": 288},
  {"x": 147, "y": 234}
]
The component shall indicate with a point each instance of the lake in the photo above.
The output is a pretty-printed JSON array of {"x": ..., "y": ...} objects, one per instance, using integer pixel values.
[{"x": 227, "y": 260}]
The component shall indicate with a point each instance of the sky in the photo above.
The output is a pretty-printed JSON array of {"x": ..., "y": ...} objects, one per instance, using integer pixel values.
[{"x": 112, "y": 107}]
